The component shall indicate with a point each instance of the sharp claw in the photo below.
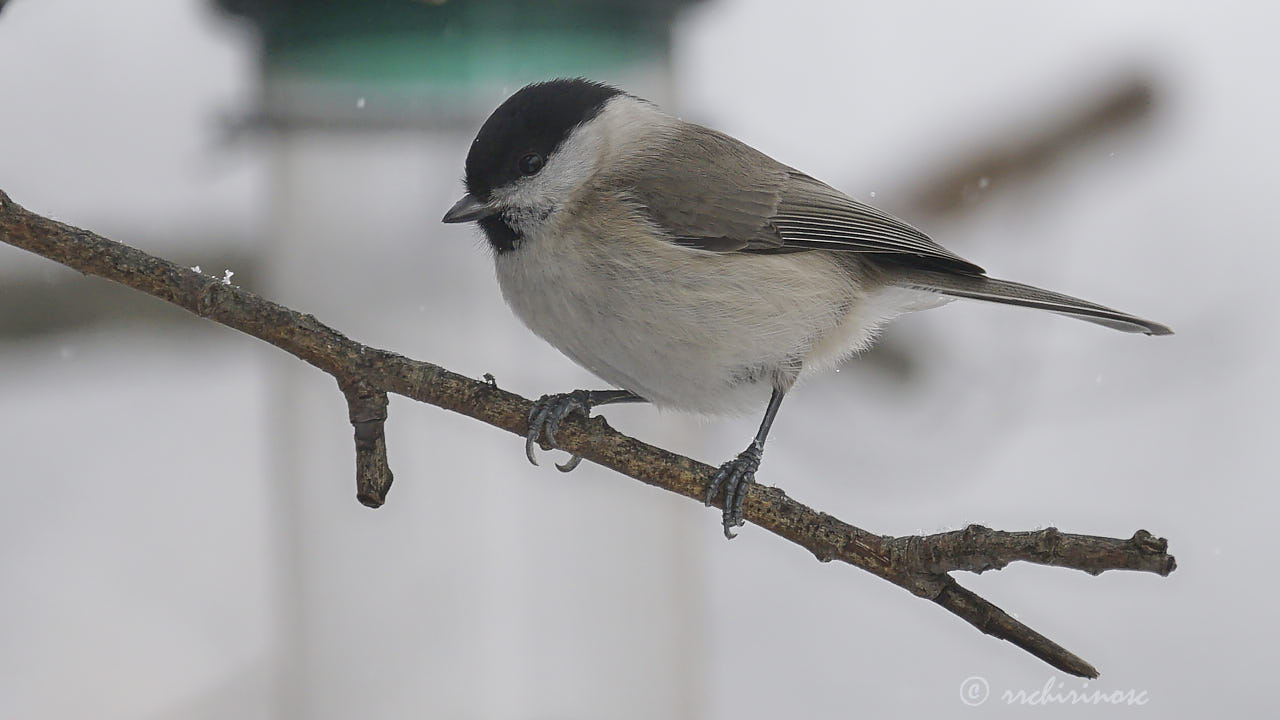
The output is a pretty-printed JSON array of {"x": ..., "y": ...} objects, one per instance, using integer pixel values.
[
  {"x": 733, "y": 509},
  {"x": 537, "y": 416},
  {"x": 529, "y": 442},
  {"x": 569, "y": 464},
  {"x": 544, "y": 422},
  {"x": 727, "y": 518},
  {"x": 550, "y": 428},
  {"x": 735, "y": 476}
]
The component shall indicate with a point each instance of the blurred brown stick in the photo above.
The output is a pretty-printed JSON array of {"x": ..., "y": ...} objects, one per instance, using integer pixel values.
[
  {"x": 1012, "y": 159},
  {"x": 365, "y": 375}
]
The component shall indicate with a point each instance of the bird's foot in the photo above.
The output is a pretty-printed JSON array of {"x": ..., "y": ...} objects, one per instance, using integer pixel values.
[
  {"x": 545, "y": 418},
  {"x": 735, "y": 475}
]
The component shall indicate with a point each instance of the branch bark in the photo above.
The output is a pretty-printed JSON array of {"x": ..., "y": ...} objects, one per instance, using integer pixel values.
[{"x": 365, "y": 375}]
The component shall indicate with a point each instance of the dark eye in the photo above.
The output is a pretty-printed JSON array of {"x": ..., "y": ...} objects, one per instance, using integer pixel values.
[{"x": 530, "y": 164}]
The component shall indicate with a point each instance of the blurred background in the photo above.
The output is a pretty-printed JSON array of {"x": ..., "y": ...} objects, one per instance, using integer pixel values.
[{"x": 179, "y": 536}]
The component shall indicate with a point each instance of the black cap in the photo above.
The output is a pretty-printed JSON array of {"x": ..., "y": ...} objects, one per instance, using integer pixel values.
[{"x": 534, "y": 120}]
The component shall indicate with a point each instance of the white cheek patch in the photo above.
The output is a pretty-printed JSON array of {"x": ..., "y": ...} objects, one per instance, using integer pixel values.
[
  {"x": 531, "y": 200},
  {"x": 565, "y": 171}
]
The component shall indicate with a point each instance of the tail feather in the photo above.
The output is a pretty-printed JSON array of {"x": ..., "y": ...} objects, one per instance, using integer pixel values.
[{"x": 978, "y": 287}]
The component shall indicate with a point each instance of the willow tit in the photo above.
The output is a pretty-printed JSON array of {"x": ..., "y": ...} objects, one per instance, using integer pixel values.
[{"x": 691, "y": 270}]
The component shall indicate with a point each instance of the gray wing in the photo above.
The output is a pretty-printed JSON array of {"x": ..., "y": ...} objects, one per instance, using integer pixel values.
[{"x": 715, "y": 193}]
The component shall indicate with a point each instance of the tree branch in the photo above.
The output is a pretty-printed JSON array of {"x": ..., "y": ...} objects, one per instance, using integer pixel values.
[
  {"x": 978, "y": 549},
  {"x": 365, "y": 375}
]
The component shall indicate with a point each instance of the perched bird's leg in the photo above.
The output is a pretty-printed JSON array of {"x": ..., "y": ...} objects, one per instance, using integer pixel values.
[
  {"x": 740, "y": 472},
  {"x": 549, "y": 410}
]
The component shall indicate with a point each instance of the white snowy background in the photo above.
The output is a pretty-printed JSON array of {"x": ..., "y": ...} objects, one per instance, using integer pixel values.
[{"x": 178, "y": 533}]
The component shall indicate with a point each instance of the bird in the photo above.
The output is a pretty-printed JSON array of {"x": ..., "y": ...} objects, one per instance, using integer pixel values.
[{"x": 687, "y": 269}]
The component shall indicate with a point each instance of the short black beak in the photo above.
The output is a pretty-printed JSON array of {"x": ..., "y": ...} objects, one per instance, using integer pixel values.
[{"x": 467, "y": 209}]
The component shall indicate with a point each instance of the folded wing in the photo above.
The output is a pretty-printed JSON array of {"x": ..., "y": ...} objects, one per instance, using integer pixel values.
[{"x": 715, "y": 193}]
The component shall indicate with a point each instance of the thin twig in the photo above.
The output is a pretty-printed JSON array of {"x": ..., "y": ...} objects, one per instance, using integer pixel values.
[
  {"x": 365, "y": 375},
  {"x": 978, "y": 549}
]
